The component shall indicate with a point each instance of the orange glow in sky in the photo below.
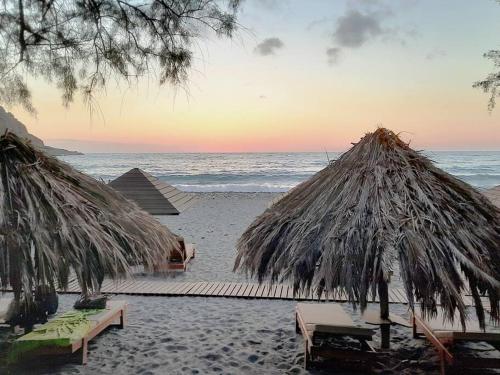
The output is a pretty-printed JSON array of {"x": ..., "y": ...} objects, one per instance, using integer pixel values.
[{"x": 415, "y": 80}]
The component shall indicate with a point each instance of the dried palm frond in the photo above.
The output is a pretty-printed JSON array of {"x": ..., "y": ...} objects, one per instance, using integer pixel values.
[
  {"x": 54, "y": 219},
  {"x": 379, "y": 203}
]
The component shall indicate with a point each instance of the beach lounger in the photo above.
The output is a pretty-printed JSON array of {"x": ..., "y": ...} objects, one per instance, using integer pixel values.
[
  {"x": 49, "y": 339},
  {"x": 320, "y": 322},
  {"x": 443, "y": 335},
  {"x": 179, "y": 259}
]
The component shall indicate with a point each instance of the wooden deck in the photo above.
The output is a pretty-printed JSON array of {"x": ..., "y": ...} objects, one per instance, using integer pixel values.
[
  {"x": 216, "y": 289},
  {"x": 142, "y": 287}
]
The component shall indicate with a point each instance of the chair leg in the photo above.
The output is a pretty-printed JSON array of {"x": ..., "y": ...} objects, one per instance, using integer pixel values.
[
  {"x": 84, "y": 352},
  {"x": 297, "y": 327},
  {"x": 442, "y": 364},
  {"x": 123, "y": 318},
  {"x": 415, "y": 333},
  {"x": 307, "y": 358}
]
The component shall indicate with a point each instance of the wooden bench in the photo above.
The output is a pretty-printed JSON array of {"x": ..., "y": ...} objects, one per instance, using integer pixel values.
[
  {"x": 114, "y": 314},
  {"x": 443, "y": 335},
  {"x": 178, "y": 259},
  {"x": 319, "y": 322}
]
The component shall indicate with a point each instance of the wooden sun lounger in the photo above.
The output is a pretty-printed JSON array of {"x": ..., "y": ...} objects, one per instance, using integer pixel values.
[
  {"x": 178, "y": 260},
  {"x": 442, "y": 335},
  {"x": 319, "y": 321},
  {"x": 115, "y": 314}
]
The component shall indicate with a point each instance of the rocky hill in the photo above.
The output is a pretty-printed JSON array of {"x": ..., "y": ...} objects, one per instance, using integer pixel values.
[{"x": 8, "y": 121}]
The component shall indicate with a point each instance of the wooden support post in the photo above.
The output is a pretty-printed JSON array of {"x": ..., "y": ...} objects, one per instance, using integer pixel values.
[
  {"x": 307, "y": 358},
  {"x": 84, "y": 349},
  {"x": 385, "y": 329},
  {"x": 123, "y": 317}
]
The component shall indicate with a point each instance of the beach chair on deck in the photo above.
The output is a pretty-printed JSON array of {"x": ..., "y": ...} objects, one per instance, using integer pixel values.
[
  {"x": 179, "y": 259},
  {"x": 443, "y": 335},
  {"x": 44, "y": 342},
  {"x": 321, "y": 322}
]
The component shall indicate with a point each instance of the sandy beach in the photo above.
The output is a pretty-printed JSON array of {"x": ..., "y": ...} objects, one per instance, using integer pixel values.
[{"x": 198, "y": 335}]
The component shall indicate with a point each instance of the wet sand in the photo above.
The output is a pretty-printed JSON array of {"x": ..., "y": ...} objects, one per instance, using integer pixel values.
[{"x": 199, "y": 335}]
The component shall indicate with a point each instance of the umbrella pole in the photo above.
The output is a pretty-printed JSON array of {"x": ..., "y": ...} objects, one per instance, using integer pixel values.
[{"x": 385, "y": 329}]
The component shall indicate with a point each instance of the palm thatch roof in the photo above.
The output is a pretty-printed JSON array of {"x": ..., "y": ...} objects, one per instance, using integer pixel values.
[
  {"x": 54, "y": 219},
  {"x": 381, "y": 202},
  {"x": 151, "y": 194}
]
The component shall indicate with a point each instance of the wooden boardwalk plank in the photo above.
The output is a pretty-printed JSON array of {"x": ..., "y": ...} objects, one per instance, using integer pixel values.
[
  {"x": 269, "y": 291},
  {"x": 249, "y": 290},
  {"x": 183, "y": 289},
  {"x": 236, "y": 289},
  {"x": 186, "y": 288},
  {"x": 254, "y": 290},
  {"x": 218, "y": 289},
  {"x": 260, "y": 290},
  {"x": 227, "y": 289},
  {"x": 106, "y": 284},
  {"x": 178, "y": 287},
  {"x": 194, "y": 290},
  {"x": 289, "y": 293},
  {"x": 168, "y": 288},
  {"x": 199, "y": 286},
  {"x": 242, "y": 290},
  {"x": 148, "y": 287},
  {"x": 212, "y": 288},
  {"x": 138, "y": 287},
  {"x": 224, "y": 289},
  {"x": 394, "y": 297},
  {"x": 127, "y": 283},
  {"x": 203, "y": 291},
  {"x": 279, "y": 288},
  {"x": 402, "y": 295},
  {"x": 155, "y": 288}
]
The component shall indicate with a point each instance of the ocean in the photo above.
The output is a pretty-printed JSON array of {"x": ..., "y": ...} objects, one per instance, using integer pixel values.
[{"x": 263, "y": 172}]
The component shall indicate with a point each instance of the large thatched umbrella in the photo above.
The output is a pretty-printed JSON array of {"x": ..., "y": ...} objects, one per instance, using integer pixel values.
[
  {"x": 54, "y": 219},
  {"x": 380, "y": 202}
]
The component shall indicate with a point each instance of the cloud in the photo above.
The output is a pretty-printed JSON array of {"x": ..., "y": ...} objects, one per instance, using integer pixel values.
[
  {"x": 333, "y": 55},
  {"x": 355, "y": 29},
  {"x": 363, "y": 22},
  {"x": 269, "y": 46},
  {"x": 436, "y": 53}
]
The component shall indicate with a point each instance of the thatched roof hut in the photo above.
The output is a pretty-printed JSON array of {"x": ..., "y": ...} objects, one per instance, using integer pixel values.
[
  {"x": 151, "y": 194},
  {"x": 379, "y": 203},
  {"x": 54, "y": 219}
]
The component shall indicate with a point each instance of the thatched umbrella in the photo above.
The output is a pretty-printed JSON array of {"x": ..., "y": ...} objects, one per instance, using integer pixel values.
[
  {"x": 343, "y": 229},
  {"x": 54, "y": 219}
]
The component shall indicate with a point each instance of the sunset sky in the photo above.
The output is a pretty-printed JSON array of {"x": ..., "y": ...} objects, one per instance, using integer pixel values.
[{"x": 305, "y": 76}]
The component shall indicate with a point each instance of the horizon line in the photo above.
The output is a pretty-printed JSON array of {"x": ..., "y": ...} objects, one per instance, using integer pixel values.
[{"x": 266, "y": 152}]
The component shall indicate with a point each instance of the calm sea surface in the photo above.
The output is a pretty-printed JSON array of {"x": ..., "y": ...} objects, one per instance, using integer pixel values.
[{"x": 269, "y": 172}]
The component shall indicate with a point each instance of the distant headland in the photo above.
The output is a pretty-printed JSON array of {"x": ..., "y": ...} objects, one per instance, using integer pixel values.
[{"x": 10, "y": 122}]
